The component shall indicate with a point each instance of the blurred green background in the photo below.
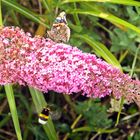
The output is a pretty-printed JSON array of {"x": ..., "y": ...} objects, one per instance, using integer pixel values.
[{"x": 109, "y": 29}]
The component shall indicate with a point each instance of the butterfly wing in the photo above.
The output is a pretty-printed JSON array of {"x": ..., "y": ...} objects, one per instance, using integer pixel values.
[{"x": 60, "y": 32}]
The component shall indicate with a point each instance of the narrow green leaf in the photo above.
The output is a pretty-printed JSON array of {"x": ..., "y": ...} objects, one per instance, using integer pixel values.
[
  {"x": 0, "y": 15},
  {"x": 84, "y": 128},
  {"x": 100, "y": 49},
  {"x": 124, "y": 2},
  {"x": 38, "y": 99},
  {"x": 120, "y": 110},
  {"x": 24, "y": 11},
  {"x": 77, "y": 20},
  {"x": 46, "y": 5},
  {"x": 109, "y": 17},
  {"x": 13, "y": 110},
  {"x": 99, "y": 131},
  {"x": 134, "y": 62}
]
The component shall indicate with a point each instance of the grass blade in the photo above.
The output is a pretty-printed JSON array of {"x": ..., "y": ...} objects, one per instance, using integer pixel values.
[
  {"x": 0, "y": 15},
  {"x": 13, "y": 110},
  {"x": 109, "y": 17},
  {"x": 24, "y": 11},
  {"x": 124, "y": 2}
]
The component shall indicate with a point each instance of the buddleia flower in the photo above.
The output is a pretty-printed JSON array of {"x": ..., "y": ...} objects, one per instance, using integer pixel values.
[{"x": 45, "y": 65}]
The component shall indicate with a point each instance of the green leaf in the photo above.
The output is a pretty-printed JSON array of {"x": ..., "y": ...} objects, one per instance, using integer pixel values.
[
  {"x": 136, "y": 136},
  {"x": 0, "y": 15},
  {"x": 94, "y": 113},
  {"x": 111, "y": 18},
  {"x": 84, "y": 128},
  {"x": 123, "y": 40},
  {"x": 124, "y": 2},
  {"x": 13, "y": 110},
  {"x": 100, "y": 49},
  {"x": 24, "y": 11}
]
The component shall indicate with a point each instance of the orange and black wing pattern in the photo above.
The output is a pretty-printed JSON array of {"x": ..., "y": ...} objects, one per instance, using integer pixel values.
[{"x": 60, "y": 32}]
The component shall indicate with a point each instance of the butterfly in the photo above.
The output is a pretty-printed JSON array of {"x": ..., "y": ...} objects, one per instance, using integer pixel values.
[{"x": 60, "y": 32}]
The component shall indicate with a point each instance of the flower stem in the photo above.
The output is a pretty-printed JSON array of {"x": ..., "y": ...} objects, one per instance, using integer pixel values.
[{"x": 72, "y": 126}]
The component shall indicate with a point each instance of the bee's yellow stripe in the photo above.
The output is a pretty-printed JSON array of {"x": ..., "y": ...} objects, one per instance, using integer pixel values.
[{"x": 44, "y": 116}]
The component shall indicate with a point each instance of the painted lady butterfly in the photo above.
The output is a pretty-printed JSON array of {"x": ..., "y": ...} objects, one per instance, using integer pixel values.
[{"x": 60, "y": 32}]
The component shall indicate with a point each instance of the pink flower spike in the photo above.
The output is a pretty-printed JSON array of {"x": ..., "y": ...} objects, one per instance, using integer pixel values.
[{"x": 41, "y": 63}]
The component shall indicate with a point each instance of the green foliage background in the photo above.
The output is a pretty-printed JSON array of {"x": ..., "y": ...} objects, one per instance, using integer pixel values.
[{"x": 109, "y": 29}]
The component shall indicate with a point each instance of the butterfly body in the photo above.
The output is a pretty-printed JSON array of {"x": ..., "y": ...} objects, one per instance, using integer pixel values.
[{"x": 60, "y": 32}]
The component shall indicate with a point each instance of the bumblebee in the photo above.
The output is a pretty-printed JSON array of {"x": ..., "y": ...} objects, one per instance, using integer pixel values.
[
  {"x": 51, "y": 111},
  {"x": 60, "y": 32},
  {"x": 44, "y": 115}
]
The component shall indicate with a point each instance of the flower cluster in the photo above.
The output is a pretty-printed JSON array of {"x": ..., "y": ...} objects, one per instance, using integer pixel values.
[{"x": 46, "y": 65}]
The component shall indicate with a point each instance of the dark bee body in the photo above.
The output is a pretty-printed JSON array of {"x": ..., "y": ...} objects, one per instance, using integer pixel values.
[
  {"x": 44, "y": 116},
  {"x": 60, "y": 31},
  {"x": 51, "y": 111}
]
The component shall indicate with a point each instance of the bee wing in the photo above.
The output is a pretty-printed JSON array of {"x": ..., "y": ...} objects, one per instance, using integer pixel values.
[{"x": 55, "y": 115}]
